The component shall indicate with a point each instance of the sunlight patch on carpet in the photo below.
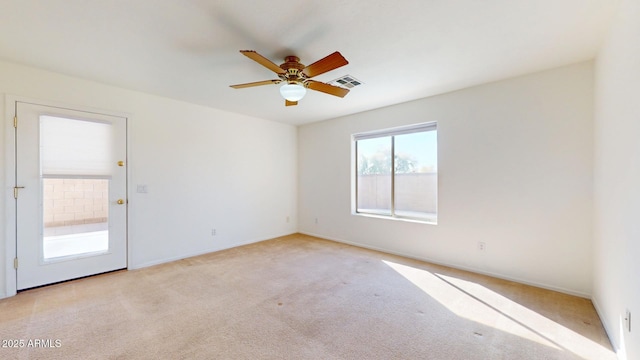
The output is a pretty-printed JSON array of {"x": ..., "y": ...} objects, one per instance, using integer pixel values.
[{"x": 475, "y": 302}]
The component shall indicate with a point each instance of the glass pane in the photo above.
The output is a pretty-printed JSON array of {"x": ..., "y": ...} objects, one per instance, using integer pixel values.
[
  {"x": 76, "y": 213},
  {"x": 78, "y": 147},
  {"x": 374, "y": 176},
  {"x": 75, "y": 164},
  {"x": 416, "y": 175}
]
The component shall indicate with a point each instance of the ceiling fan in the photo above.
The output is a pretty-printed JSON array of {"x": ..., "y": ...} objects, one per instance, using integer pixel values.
[{"x": 297, "y": 77}]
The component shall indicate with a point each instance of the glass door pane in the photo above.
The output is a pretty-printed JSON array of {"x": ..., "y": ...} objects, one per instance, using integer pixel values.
[
  {"x": 75, "y": 216},
  {"x": 75, "y": 159}
]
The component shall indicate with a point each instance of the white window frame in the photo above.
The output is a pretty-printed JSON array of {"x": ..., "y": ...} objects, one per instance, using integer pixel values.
[{"x": 390, "y": 132}]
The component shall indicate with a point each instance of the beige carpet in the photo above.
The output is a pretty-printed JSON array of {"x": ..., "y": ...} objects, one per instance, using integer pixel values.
[{"x": 299, "y": 297}]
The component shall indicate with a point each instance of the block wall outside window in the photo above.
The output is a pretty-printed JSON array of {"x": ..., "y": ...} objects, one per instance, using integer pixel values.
[{"x": 75, "y": 201}]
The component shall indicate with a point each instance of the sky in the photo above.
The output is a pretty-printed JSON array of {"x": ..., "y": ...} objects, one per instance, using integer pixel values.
[{"x": 422, "y": 147}]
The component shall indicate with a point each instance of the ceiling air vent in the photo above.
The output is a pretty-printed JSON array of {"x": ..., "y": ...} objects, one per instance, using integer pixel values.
[{"x": 346, "y": 82}]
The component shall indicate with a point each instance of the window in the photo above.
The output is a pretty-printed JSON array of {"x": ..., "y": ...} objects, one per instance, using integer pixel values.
[{"x": 397, "y": 172}]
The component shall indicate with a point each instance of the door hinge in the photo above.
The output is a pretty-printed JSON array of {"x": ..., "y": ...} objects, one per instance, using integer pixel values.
[
  {"x": 15, "y": 263},
  {"x": 15, "y": 121},
  {"x": 15, "y": 191}
]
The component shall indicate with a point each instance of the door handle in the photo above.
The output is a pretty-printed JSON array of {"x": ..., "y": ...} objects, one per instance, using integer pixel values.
[{"x": 120, "y": 201}]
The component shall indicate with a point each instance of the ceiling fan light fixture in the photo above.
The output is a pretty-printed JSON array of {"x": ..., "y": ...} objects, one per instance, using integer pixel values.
[
  {"x": 297, "y": 77},
  {"x": 293, "y": 92}
]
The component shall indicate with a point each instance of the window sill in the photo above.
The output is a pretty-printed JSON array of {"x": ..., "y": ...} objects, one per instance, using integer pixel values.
[{"x": 396, "y": 218}]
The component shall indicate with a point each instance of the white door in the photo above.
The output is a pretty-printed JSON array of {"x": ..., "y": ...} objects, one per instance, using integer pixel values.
[{"x": 71, "y": 206}]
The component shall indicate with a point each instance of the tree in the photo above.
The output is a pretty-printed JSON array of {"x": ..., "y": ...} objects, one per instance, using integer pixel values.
[
  {"x": 405, "y": 164},
  {"x": 380, "y": 163}
]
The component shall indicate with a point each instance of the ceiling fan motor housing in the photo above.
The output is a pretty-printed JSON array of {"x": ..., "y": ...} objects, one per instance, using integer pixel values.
[{"x": 293, "y": 69}]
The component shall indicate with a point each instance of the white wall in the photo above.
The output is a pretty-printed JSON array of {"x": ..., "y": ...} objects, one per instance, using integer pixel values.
[
  {"x": 515, "y": 171},
  {"x": 204, "y": 169},
  {"x": 617, "y": 180}
]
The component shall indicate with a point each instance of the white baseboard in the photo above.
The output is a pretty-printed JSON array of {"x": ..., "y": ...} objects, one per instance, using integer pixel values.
[
  {"x": 607, "y": 328},
  {"x": 202, "y": 252},
  {"x": 456, "y": 266}
]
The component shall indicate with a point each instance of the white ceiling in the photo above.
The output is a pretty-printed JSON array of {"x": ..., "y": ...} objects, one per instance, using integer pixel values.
[{"x": 401, "y": 50}]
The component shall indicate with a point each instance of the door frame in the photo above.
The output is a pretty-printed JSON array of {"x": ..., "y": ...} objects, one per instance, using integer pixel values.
[{"x": 10, "y": 178}]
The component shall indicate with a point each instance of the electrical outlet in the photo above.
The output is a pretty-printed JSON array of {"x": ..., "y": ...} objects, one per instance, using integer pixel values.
[
  {"x": 316, "y": 220},
  {"x": 627, "y": 320},
  {"x": 287, "y": 219},
  {"x": 482, "y": 246},
  {"x": 213, "y": 232}
]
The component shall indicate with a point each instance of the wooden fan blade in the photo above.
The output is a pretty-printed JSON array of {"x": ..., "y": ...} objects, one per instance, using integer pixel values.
[
  {"x": 257, "y": 83},
  {"x": 326, "y": 88},
  {"x": 290, "y": 103},
  {"x": 323, "y": 65},
  {"x": 263, "y": 61}
]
